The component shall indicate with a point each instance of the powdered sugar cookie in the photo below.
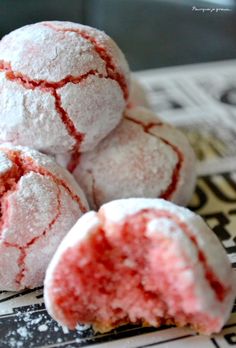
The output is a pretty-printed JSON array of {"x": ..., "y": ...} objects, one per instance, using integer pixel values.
[
  {"x": 40, "y": 202},
  {"x": 140, "y": 261},
  {"x": 63, "y": 86},
  {"x": 142, "y": 157}
]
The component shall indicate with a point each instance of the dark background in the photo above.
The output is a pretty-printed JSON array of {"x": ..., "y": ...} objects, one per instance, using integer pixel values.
[{"x": 152, "y": 33}]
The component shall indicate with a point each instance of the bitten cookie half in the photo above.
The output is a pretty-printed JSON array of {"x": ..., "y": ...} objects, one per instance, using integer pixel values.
[
  {"x": 40, "y": 202},
  {"x": 63, "y": 86},
  {"x": 140, "y": 261},
  {"x": 142, "y": 157}
]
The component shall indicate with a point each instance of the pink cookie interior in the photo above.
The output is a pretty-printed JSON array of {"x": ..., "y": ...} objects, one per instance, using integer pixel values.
[{"x": 126, "y": 276}]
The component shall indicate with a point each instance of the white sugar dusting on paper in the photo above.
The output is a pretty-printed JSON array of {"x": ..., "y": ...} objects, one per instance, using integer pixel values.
[{"x": 43, "y": 328}]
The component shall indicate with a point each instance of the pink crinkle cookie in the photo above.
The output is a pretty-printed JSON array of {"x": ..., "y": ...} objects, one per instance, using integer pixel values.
[
  {"x": 142, "y": 157},
  {"x": 63, "y": 86},
  {"x": 140, "y": 261},
  {"x": 40, "y": 202}
]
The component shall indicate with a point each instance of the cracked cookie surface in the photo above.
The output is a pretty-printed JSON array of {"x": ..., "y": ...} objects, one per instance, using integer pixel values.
[
  {"x": 63, "y": 86},
  {"x": 39, "y": 204}
]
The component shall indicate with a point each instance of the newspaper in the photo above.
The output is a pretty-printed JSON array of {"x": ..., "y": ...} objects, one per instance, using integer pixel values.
[{"x": 200, "y": 100}]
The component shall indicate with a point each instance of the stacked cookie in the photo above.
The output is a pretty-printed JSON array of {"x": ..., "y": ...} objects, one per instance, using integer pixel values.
[{"x": 65, "y": 91}]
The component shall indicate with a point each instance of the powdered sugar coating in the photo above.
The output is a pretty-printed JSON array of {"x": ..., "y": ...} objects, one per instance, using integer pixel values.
[
  {"x": 138, "y": 94},
  {"x": 5, "y": 163},
  {"x": 186, "y": 236},
  {"x": 8, "y": 270},
  {"x": 87, "y": 116},
  {"x": 40, "y": 202},
  {"x": 30, "y": 47},
  {"x": 28, "y": 108},
  {"x": 54, "y": 78},
  {"x": 142, "y": 157}
]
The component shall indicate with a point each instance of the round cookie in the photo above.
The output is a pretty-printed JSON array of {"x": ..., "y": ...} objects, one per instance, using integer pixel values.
[
  {"x": 63, "y": 86},
  {"x": 140, "y": 261},
  {"x": 40, "y": 202},
  {"x": 142, "y": 157}
]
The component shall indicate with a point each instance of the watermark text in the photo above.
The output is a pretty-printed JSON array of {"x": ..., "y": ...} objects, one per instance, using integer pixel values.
[{"x": 210, "y": 10}]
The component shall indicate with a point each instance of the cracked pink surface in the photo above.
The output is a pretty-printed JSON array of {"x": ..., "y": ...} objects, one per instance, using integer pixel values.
[
  {"x": 111, "y": 69},
  {"x": 81, "y": 103},
  {"x": 24, "y": 249},
  {"x": 142, "y": 157},
  {"x": 140, "y": 261},
  {"x": 170, "y": 190},
  {"x": 38, "y": 207}
]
